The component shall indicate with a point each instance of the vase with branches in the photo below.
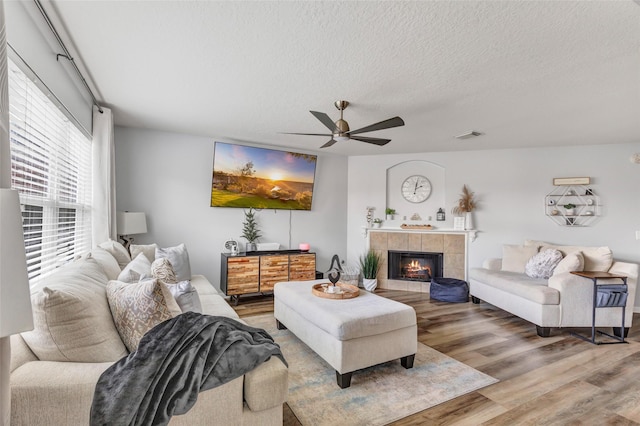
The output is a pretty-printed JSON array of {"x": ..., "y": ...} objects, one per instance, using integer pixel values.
[
  {"x": 466, "y": 205},
  {"x": 250, "y": 230}
]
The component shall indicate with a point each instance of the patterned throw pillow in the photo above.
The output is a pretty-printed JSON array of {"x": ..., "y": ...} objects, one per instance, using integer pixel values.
[
  {"x": 137, "y": 308},
  {"x": 162, "y": 270},
  {"x": 542, "y": 264}
]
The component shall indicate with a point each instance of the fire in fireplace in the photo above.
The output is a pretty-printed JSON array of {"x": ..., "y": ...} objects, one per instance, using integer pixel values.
[{"x": 414, "y": 266}]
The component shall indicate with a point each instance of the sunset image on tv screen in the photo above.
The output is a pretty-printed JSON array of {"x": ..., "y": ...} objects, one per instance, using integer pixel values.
[{"x": 246, "y": 176}]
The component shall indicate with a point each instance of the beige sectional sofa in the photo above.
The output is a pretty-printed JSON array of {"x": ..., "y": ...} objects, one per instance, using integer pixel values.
[
  {"x": 562, "y": 300},
  {"x": 53, "y": 391}
]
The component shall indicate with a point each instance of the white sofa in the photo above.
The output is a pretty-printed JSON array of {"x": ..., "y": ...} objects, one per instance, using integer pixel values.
[
  {"x": 562, "y": 300},
  {"x": 45, "y": 392}
]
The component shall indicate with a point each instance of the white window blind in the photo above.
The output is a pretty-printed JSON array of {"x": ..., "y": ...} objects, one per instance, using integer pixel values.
[{"x": 51, "y": 168}]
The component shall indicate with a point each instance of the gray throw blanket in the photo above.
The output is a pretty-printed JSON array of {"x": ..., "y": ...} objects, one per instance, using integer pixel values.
[{"x": 175, "y": 360}]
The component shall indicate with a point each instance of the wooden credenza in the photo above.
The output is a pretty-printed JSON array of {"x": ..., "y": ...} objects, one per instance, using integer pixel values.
[{"x": 257, "y": 272}]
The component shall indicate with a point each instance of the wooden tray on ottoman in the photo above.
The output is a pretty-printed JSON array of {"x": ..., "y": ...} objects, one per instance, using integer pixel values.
[{"x": 348, "y": 291}]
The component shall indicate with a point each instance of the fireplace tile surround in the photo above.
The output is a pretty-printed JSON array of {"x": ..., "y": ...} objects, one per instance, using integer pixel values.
[{"x": 452, "y": 244}]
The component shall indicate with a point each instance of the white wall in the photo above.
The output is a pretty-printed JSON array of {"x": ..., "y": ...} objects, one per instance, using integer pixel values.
[
  {"x": 168, "y": 176},
  {"x": 510, "y": 186}
]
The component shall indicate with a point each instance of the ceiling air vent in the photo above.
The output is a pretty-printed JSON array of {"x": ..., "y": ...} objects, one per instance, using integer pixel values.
[{"x": 469, "y": 135}]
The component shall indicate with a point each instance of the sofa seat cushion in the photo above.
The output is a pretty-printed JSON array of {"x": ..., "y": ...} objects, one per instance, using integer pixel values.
[
  {"x": 211, "y": 301},
  {"x": 72, "y": 318},
  {"x": 533, "y": 289}
]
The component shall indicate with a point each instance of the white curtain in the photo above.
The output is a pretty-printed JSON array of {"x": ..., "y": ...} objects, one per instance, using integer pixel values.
[
  {"x": 104, "y": 177},
  {"x": 5, "y": 182}
]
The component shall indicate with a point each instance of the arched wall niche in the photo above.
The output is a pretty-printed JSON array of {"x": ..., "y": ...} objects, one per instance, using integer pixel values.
[{"x": 397, "y": 174}]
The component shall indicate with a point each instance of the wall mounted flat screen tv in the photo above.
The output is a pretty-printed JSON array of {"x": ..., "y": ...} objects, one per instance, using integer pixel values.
[{"x": 246, "y": 176}]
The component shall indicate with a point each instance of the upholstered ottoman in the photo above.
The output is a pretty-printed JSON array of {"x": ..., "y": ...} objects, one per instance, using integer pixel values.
[{"x": 348, "y": 334}]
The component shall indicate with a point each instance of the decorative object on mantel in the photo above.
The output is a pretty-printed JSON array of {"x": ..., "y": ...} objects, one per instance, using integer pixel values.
[
  {"x": 390, "y": 213},
  {"x": 250, "y": 230},
  {"x": 416, "y": 216},
  {"x": 440, "y": 216},
  {"x": 458, "y": 223},
  {"x": 466, "y": 205},
  {"x": 424, "y": 227},
  {"x": 370, "y": 264},
  {"x": 377, "y": 222},
  {"x": 370, "y": 216}
]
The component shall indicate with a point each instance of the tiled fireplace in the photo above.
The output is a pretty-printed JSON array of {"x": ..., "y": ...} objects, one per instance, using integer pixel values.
[
  {"x": 414, "y": 266},
  {"x": 452, "y": 246}
]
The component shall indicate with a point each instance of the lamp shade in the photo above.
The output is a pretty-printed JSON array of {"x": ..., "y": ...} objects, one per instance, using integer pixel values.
[
  {"x": 130, "y": 223},
  {"x": 15, "y": 296}
]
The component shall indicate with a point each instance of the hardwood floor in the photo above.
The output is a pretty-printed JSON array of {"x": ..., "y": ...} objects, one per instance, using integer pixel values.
[{"x": 555, "y": 380}]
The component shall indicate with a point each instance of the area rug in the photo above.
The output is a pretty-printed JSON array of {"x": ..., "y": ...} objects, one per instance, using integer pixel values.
[{"x": 378, "y": 395}]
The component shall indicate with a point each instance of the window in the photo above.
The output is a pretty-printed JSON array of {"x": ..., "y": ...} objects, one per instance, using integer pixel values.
[{"x": 51, "y": 167}]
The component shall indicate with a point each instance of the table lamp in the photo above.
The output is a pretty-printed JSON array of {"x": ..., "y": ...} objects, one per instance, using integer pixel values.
[{"x": 130, "y": 223}]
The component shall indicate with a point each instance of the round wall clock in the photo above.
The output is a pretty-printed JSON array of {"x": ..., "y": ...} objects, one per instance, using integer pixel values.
[{"x": 416, "y": 189}]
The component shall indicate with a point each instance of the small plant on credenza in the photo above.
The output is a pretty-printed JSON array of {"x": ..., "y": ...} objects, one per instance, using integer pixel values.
[{"x": 250, "y": 230}]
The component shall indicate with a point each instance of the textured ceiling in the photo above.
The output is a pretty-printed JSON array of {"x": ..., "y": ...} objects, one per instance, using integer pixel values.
[{"x": 524, "y": 73}]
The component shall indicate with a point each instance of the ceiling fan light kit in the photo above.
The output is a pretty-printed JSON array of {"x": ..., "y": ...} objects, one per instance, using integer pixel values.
[{"x": 340, "y": 131}]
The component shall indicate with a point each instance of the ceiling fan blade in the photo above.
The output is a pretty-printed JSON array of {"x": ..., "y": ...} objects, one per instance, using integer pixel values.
[
  {"x": 328, "y": 144},
  {"x": 326, "y": 120},
  {"x": 375, "y": 141},
  {"x": 386, "y": 124},
  {"x": 307, "y": 134}
]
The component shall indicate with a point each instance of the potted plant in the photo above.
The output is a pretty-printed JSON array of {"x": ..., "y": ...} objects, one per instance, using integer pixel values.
[
  {"x": 377, "y": 222},
  {"x": 390, "y": 213},
  {"x": 370, "y": 264},
  {"x": 466, "y": 205},
  {"x": 250, "y": 230},
  {"x": 570, "y": 209}
]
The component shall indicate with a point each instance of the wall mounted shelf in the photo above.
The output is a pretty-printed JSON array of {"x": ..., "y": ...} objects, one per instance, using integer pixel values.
[{"x": 587, "y": 205}]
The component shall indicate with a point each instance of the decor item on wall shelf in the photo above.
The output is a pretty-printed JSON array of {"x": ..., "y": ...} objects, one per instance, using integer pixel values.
[
  {"x": 370, "y": 264},
  {"x": 130, "y": 223},
  {"x": 340, "y": 129},
  {"x": 571, "y": 181},
  {"x": 250, "y": 230},
  {"x": 570, "y": 208},
  {"x": 390, "y": 213},
  {"x": 635, "y": 158}
]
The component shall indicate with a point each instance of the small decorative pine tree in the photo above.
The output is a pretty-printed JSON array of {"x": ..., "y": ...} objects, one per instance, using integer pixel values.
[{"x": 250, "y": 229}]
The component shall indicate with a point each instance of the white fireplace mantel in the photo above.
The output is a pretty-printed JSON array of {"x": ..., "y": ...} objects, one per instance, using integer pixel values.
[{"x": 471, "y": 233}]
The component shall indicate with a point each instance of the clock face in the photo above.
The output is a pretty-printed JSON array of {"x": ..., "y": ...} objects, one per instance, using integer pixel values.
[{"x": 416, "y": 189}]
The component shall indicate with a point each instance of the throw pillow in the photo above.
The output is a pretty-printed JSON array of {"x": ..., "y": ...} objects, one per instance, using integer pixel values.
[
  {"x": 139, "y": 307},
  {"x": 135, "y": 269},
  {"x": 71, "y": 316},
  {"x": 179, "y": 258},
  {"x": 162, "y": 270},
  {"x": 118, "y": 251},
  {"x": 514, "y": 257},
  {"x": 542, "y": 264},
  {"x": 186, "y": 296},
  {"x": 107, "y": 261},
  {"x": 571, "y": 263},
  {"x": 149, "y": 250}
]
